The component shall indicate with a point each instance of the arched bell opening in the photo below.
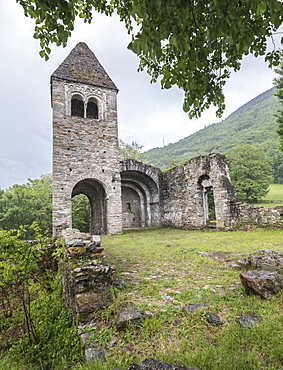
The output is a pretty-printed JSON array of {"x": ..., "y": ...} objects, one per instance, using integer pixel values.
[
  {"x": 92, "y": 108},
  {"x": 95, "y": 192},
  {"x": 77, "y": 106}
]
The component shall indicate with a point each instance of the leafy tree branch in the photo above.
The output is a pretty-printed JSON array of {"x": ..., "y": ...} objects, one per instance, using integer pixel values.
[{"x": 192, "y": 44}]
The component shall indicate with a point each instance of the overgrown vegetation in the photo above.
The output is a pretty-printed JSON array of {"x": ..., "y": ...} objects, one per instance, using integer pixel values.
[
  {"x": 24, "y": 204},
  {"x": 36, "y": 331}
]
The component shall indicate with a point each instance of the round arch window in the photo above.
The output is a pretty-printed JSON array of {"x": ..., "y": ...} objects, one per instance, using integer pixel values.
[
  {"x": 92, "y": 109},
  {"x": 77, "y": 106}
]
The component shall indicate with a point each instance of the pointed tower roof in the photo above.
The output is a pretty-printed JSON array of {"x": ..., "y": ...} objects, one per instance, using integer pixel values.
[{"x": 82, "y": 66}]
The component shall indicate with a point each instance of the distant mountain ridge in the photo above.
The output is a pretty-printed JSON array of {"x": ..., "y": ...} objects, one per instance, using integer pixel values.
[{"x": 253, "y": 123}]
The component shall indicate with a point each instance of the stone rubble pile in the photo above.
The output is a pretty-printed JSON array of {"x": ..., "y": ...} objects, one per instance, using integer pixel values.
[{"x": 87, "y": 281}]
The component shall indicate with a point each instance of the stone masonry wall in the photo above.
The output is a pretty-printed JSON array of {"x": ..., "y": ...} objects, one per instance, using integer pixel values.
[
  {"x": 85, "y": 148},
  {"x": 182, "y": 192}
]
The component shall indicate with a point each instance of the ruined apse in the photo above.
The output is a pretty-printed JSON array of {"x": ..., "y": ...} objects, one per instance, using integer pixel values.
[{"x": 127, "y": 194}]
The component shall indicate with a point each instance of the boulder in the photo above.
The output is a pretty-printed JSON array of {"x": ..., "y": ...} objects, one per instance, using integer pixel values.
[
  {"x": 264, "y": 283},
  {"x": 264, "y": 259}
]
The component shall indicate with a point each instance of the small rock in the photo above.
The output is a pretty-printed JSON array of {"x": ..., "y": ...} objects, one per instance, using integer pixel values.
[
  {"x": 128, "y": 317},
  {"x": 213, "y": 319},
  {"x": 84, "y": 337},
  {"x": 152, "y": 364},
  {"x": 194, "y": 307},
  {"x": 248, "y": 320},
  {"x": 94, "y": 354},
  {"x": 177, "y": 307}
]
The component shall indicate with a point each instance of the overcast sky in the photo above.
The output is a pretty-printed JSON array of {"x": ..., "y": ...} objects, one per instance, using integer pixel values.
[{"x": 146, "y": 114}]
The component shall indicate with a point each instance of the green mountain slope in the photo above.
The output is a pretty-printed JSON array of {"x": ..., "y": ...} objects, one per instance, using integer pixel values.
[{"x": 253, "y": 123}]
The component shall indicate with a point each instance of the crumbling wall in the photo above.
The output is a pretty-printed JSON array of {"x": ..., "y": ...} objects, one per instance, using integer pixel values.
[
  {"x": 246, "y": 214},
  {"x": 183, "y": 197},
  {"x": 182, "y": 192},
  {"x": 87, "y": 279}
]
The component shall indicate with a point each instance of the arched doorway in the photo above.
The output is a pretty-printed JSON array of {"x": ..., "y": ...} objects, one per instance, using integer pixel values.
[
  {"x": 96, "y": 194},
  {"x": 80, "y": 213},
  {"x": 207, "y": 200}
]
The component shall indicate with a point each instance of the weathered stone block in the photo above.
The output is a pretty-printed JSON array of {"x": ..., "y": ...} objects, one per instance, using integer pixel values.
[
  {"x": 264, "y": 283},
  {"x": 91, "y": 301}
]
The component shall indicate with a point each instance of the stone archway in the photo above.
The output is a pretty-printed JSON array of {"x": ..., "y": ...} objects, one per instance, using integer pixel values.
[
  {"x": 140, "y": 194},
  {"x": 95, "y": 191},
  {"x": 207, "y": 199}
]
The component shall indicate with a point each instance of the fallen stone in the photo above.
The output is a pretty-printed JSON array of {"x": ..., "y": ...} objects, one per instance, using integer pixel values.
[
  {"x": 128, "y": 317},
  {"x": 264, "y": 283},
  {"x": 191, "y": 308},
  {"x": 213, "y": 319},
  {"x": 248, "y": 320},
  {"x": 94, "y": 354},
  {"x": 152, "y": 364}
]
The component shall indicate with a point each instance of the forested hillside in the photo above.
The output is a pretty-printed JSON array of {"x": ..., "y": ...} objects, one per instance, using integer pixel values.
[{"x": 253, "y": 123}]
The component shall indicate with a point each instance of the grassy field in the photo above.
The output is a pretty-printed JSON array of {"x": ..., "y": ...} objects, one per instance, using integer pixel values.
[
  {"x": 162, "y": 271},
  {"x": 274, "y": 197}
]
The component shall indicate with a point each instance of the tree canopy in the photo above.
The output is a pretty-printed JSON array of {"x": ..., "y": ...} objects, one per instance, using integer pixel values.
[
  {"x": 21, "y": 205},
  {"x": 130, "y": 151},
  {"x": 250, "y": 172},
  {"x": 193, "y": 44}
]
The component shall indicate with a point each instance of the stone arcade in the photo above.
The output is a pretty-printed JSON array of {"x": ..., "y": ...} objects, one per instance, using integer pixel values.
[{"x": 127, "y": 194}]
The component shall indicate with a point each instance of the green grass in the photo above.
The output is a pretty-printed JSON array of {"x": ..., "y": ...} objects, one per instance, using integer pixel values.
[
  {"x": 161, "y": 271},
  {"x": 274, "y": 197}
]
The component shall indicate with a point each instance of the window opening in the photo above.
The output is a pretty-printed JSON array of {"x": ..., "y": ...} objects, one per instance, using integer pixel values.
[
  {"x": 128, "y": 207},
  {"x": 92, "y": 110},
  {"x": 211, "y": 204},
  {"x": 77, "y": 108}
]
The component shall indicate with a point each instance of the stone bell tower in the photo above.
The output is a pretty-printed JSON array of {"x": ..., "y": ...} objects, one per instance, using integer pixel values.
[{"x": 85, "y": 142}]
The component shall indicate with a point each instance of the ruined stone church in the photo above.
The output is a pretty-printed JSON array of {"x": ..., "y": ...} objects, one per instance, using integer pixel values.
[{"x": 127, "y": 194}]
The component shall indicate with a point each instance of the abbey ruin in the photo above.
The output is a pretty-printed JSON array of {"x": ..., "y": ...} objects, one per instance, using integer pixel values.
[{"x": 127, "y": 194}]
